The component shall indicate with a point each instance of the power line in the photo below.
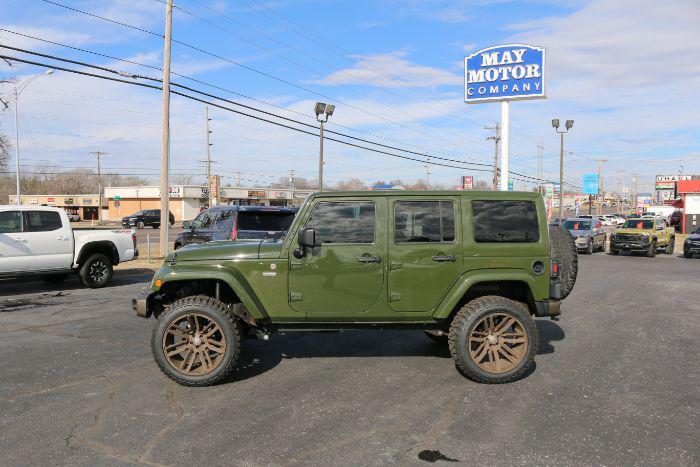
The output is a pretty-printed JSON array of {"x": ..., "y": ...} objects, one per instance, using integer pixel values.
[{"x": 156, "y": 87}]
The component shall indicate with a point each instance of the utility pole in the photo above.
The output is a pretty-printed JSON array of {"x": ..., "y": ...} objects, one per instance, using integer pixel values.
[
  {"x": 99, "y": 154},
  {"x": 601, "y": 195},
  {"x": 291, "y": 178},
  {"x": 238, "y": 179},
  {"x": 633, "y": 193},
  {"x": 208, "y": 155},
  {"x": 165, "y": 138},
  {"x": 496, "y": 139},
  {"x": 540, "y": 166},
  {"x": 427, "y": 172}
]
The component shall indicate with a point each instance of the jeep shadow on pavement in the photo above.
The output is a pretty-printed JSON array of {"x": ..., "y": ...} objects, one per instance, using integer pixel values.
[{"x": 471, "y": 269}]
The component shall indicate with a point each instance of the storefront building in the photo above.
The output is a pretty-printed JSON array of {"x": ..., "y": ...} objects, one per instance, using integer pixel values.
[
  {"x": 85, "y": 206},
  {"x": 689, "y": 192},
  {"x": 186, "y": 201}
]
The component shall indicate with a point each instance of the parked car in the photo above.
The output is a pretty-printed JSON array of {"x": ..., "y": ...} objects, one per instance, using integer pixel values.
[
  {"x": 589, "y": 234},
  {"x": 556, "y": 221},
  {"x": 643, "y": 235},
  {"x": 145, "y": 218},
  {"x": 230, "y": 222},
  {"x": 39, "y": 240},
  {"x": 470, "y": 268},
  {"x": 72, "y": 217},
  {"x": 691, "y": 246},
  {"x": 676, "y": 220}
]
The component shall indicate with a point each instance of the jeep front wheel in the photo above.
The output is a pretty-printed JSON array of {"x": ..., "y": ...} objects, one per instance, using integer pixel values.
[
  {"x": 493, "y": 340},
  {"x": 196, "y": 341}
]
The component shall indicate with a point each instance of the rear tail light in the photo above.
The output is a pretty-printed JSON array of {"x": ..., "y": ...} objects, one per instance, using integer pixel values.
[
  {"x": 234, "y": 230},
  {"x": 555, "y": 268},
  {"x": 133, "y": 239}
]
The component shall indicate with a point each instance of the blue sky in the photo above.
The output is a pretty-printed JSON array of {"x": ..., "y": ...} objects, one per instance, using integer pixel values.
[{"x": 628, "y": 73}]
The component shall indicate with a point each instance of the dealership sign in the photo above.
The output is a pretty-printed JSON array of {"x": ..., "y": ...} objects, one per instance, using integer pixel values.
[
  {"x": 504, "y": 72},
  {"x": 467, "y": 182},
  {"x": 590, "y": 184},
  {"x": 668, "y": 182}
]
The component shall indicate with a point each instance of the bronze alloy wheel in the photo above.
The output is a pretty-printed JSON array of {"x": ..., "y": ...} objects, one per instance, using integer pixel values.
[
  {"x": 498, "y": 342},
  {"x": 194, "y": 344}
]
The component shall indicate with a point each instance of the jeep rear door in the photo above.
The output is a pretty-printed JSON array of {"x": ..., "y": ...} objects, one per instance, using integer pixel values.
[
  {"x": 344, "y": 274},
  {"x": 425, "y": 251}
]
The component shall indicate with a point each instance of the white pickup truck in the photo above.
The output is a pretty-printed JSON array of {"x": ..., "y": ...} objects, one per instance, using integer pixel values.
[{"x": 39, "y": 240}]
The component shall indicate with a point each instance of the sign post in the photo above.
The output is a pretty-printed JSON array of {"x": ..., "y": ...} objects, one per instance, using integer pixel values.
[{"x": 504, "y": 73}]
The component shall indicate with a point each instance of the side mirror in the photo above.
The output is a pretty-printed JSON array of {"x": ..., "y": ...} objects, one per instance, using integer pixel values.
[
  {"x": 307, "y": 238},
  {"x": 186, "y": 225}
]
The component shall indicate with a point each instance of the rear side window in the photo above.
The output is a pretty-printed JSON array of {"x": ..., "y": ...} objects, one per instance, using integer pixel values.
[
  {"x": 224, "y": 221},
  {"x": 506, "y": 221},
  {"x": 343, "y": 222},
  {"x": 43, "y": 221},
  {"x": 424, "y": 221},
  {"x": 265, "y": 221},
  {"x": 10, "y": 221}
]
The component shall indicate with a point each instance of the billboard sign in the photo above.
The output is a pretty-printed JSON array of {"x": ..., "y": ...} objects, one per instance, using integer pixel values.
[
  {"x": 668, "y": 182},
  {"x": 590, "y": 184},
  {"x": 467, "y": 182},
  {"x": 510, "y": 185},
  {"x": 504, "y": 72}
]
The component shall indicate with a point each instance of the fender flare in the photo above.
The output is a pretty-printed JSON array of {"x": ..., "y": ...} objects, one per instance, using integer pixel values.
[{"x": 469, "y": 279}]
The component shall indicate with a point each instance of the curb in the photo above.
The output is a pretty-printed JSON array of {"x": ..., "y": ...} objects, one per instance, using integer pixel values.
[{"x": 133, "y": 271}]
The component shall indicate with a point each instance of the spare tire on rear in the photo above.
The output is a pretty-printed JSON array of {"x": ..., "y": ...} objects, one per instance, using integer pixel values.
[{"x": 563, "y": 249}]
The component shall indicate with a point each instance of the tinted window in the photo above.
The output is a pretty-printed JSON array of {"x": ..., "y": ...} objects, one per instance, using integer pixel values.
[
  {"x": 43, "y": 221},
  {"x": 505, "y": 221},
  {"x": 577, "y": 225},
  {"x": 267, "y": 221},
  {"x": 424, "y": 221},
  {"x": 203, "y": 220},
  {"x": 347, "y": 222},
  {"x": 638, "y": 224},
  {"x": 10, "y": 221}
]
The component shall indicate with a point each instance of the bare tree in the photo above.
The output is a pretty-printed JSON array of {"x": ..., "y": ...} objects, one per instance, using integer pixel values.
[{"x": 354, "y": 184}]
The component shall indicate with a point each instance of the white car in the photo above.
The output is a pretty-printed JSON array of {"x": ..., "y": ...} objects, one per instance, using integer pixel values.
[
  {"x": 73, "y": 217},
  {"x": 39, "y": 240}
]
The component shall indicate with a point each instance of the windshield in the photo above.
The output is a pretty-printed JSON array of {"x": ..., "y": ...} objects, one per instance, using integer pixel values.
[
  {"x": 638, "y": 224},
  {"x": 577, "y": 225}
]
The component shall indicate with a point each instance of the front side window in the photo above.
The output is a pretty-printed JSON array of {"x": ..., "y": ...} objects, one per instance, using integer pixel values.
[
  {"x": 343, "y": 222},
  {"x": 424, "y": 221},
  {"x": 202, "y": 221},
  {"x": 505, "y": 221},
  {"x": 43, "y": 221},
  {"x": 10, "y": 222}
]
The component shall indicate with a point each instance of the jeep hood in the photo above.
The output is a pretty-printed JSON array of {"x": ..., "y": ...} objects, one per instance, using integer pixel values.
[{"x": 229, "y": 250}]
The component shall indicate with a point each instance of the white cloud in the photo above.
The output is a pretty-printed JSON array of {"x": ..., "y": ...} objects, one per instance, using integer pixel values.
[
  {"x": 383, "y": 71},
  {"x": 48, "y": 33}
]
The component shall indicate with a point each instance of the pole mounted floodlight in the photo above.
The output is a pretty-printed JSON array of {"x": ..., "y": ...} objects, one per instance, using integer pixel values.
[
  {"x": 18, "y": 91},
  {"x": 568, "y": 125},
  {"x": 320, "y": 109}
]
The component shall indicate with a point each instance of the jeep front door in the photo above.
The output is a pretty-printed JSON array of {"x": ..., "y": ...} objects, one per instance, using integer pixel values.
[
  {"x": 344, "y": 273},
  {"x": 425, "y": 252}
]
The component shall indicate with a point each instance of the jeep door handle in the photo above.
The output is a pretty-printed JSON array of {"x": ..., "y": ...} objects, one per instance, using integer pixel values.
[
  {"x": 444, "y": 258},
  {"x": 369, "y": 259}
]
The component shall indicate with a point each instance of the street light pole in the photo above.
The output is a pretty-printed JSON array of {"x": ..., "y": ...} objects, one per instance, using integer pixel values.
[
  {"x": 165, "y": 137},
  {"x": 18, "y": 90},
  {"x": 323, "y": 111},
  {"x": 568, "y": 125}
]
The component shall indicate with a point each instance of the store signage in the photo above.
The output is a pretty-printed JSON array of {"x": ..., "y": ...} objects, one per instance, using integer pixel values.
[
  {"x": 68, "y": 201},
  {"x": 256, "y": 194},
  {"x": 590, "y": 184},
  {"x": 300, "y": 195},
  {"x": 467, "y": 182},
  {"x": 50, "y": 200},
  {"x": 88, "y": 200},
  {"x": 668, "y": 182},
  {"x": 505, "y": 72},
  {"x": 280, "y": 194}
]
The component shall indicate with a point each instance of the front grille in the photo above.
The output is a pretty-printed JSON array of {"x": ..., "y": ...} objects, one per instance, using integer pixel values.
[{"x": 629, "y": 237}]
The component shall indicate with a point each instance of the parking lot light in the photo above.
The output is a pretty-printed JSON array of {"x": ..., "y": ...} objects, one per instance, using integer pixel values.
[{"x": 320, "y": 109}]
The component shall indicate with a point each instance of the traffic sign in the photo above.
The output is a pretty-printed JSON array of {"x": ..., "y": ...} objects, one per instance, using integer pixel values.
[{"x": 117, "y": 198}]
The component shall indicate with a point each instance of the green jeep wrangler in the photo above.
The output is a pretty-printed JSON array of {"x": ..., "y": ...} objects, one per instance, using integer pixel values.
[{"x": 468, "y": 268}]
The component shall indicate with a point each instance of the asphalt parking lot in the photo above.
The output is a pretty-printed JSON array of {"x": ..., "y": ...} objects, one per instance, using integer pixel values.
[{"x": 616, "y": 383}]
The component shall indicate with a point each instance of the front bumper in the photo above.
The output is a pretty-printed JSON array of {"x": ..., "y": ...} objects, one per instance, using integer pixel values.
[
  {"x": 139, "y": 303},
  {"x": 691, "y": 247},
  {"x": 629, "y": 245},
  {"x": 581, "y": 243}
]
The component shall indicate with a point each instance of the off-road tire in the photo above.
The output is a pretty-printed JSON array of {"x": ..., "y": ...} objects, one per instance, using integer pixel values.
[
  {"x": 443, "y": 339},
  {"x": 671, "y": 246},
  {"x": 590, "y": 248},
  {"x": 651, "y": 253},
  {"x": 88, "y": 275},
  {"x": 469, "y": 316},
  {"x": 614, "y": 252},
  {"x": 155, "y": 226},
  {"x": 214, "y": 310},
  {"x": 687, "y": 253},
  {"x": 54, "y": 278},
  {"x": 140, "y": 225},
  {"x": 563, "y": 249}
]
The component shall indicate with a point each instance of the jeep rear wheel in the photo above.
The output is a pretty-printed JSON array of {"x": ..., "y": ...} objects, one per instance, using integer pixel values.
[
  {"x": 197, "y": 341},
  {"x": 493, "y": 340}
]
